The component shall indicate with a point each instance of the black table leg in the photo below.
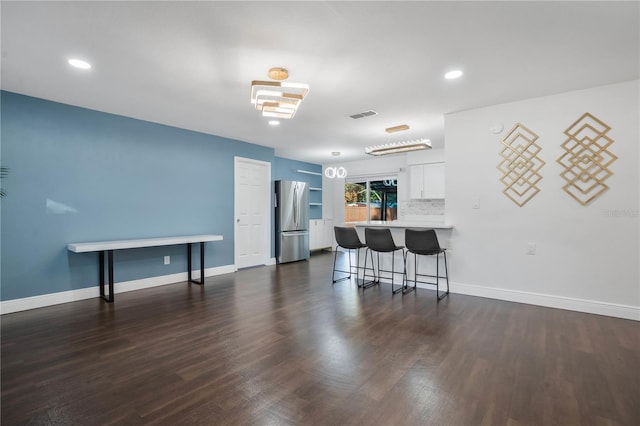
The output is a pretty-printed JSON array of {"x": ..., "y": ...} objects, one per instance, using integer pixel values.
[
  {"x": 202, "y": 262},
  {"x": 101, "y": 261},
  {"x": 110, "y": 260},
  {"x": 189, "y": 262},
  {"x": 110, "y": 297},
  {"x": 201, "y": 282}
]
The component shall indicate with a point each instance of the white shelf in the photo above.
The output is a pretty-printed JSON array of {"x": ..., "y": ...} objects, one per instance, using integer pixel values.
[
  {"x": 311, "y": 188},
  {"x": 309, "y": 173}
]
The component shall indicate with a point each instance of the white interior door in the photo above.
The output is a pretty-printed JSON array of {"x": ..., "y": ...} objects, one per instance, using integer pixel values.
[{"x": 252, "y": 190}]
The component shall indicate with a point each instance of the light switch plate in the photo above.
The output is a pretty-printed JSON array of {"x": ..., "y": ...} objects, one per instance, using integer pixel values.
[
  {"x": 167, "y": 260},
  {"x": 531, "y": 248},
  {"x": 475, "y": 202}
]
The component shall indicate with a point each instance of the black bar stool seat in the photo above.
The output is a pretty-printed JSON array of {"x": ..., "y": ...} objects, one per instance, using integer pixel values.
[
  {"x": 348, "y": 239},
  {"x": 424, "y": 242},
  {"x": 380, "y": 240}
]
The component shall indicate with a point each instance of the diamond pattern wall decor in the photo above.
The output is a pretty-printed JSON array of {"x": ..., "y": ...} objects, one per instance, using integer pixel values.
[
  {"x": 586, "y": 159},
  {"x": 520, "y": 165}
]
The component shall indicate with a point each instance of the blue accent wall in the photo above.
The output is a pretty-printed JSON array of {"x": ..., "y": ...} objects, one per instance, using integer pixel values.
[
  {"x": 286, "y": 169},
  {"x": 80, "y": 175}
]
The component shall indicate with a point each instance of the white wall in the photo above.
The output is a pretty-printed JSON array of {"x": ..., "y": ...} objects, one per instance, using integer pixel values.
[{"x": 587, "y": 257}]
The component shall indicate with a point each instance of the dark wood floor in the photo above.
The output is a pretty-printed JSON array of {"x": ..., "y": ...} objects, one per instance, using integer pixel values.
[{"x": 281, "y": 345}]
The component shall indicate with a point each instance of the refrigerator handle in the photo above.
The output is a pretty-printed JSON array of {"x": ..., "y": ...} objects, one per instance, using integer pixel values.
[{"x": 295, "y": 203}]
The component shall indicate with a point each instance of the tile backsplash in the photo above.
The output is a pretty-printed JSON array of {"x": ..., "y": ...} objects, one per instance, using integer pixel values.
[{"x": 410, "y": 209}]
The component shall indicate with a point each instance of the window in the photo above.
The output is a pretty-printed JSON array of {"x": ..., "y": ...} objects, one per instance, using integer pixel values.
[{"x": 374, "y": 199}]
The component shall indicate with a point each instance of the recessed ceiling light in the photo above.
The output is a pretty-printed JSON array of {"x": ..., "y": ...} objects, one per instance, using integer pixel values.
[
  {"x": 78, "y": 63},
  {"x": 274, "y": 123},
  {"x": 451, "y": 75}
]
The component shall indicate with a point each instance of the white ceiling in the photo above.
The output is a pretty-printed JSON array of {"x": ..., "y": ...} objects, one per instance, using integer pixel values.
[{"x": 190, "y": 64}]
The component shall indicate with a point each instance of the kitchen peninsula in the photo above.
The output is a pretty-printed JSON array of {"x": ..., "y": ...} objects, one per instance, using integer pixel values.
[
  {"x": 443, "y": 229},
  {"x": 435, "y": 224}
]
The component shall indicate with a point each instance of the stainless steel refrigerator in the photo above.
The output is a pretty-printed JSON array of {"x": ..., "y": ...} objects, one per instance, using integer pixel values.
[{"x": 292, "y": 221}]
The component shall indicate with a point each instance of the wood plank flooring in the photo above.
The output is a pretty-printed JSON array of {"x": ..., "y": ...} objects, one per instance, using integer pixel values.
[{"x": 282, "y": 346}]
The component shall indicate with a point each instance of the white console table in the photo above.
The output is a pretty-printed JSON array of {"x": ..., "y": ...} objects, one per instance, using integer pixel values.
[{"x": 107, "y": 247}]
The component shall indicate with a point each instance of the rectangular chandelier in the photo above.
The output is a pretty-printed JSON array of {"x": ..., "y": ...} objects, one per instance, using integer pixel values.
[
  {"x": 279, "y": 99},
  {"x": 396, "y": 147}
]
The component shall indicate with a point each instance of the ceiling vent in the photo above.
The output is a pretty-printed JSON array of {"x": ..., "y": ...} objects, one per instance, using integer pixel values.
[{"x": 364, "y": 114}]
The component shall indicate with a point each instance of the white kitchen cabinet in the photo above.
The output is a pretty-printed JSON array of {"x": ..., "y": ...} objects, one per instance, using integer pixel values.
[
  {"x": 327, "y": 234},
  {"x": 426, "y": 181},
  {"x": 314, "y": 234},
  {"x": 320, "y": 234}
]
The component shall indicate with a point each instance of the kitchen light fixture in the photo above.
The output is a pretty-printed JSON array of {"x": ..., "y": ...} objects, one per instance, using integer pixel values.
[
  {"x": 335, "y": 172},
  {"x": 396, "y": 147},
  {"x": 277, "y": 73},
  {"x": 399, "y": 128},
  {"x": 278, "y": 99},
  {"x": 78, "y": 63}
]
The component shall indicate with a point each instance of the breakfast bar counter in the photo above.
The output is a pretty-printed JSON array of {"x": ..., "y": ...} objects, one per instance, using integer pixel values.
[
  {"x": 432, "y": 224},
  {"x": 443, "y": 229}
]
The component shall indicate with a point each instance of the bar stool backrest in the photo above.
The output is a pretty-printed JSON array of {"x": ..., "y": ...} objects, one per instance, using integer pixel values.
[
  {"x": 422, "y": 241},
  {"x": 347, "y": 237},
  {"x": 380, "y": 239}
]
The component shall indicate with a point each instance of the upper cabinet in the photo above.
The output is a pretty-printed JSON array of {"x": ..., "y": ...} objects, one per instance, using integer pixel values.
[{"x": 426, "y": 181}]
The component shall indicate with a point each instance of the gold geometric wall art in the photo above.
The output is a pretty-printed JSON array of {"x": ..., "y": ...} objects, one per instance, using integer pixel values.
[
  {"x": 520, "y": 165},
  {"x": 586, "y": 159}
]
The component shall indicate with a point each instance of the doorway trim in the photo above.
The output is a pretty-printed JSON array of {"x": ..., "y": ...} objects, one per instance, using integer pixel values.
[{"x": 268, "y": 208}]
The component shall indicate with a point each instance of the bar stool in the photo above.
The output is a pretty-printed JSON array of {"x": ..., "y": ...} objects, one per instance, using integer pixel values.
[
  {"x": 348, "y": 239},
  {"x": 424, "y": 242},
  {"x": 380, "y": 240}
]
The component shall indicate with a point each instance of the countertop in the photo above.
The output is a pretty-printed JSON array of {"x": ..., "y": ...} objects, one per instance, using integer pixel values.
[{"x": 405, "y": 224}]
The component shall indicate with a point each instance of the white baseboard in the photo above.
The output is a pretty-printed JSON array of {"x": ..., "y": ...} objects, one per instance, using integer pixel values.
[
  {"x": 551, "y": 301},
  {"x": 271, "y": 261},
  {"x": 26, "y": 303},
  {"x": 538, "y": 299},
  {"x": 16, "y": 305}
]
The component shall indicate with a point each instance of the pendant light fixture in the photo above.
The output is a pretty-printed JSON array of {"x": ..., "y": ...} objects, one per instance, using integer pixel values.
[
  {"x": 278, "y": 99},
  {"x": 335, "y": 172},
  {"x": 397, "y": 147}
]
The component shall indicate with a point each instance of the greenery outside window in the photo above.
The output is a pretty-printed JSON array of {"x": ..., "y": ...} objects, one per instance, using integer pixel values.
[{"x": 371, "y": 199}]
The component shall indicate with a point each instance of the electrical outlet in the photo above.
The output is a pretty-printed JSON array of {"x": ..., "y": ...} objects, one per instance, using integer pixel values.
[
  {"x": 167, "y": 260},
  {"x": 531, "y": 248}
]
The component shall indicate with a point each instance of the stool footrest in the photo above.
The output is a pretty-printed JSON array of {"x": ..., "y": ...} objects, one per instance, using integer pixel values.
[
  {"x": 437, "y": 277},
  {"x": 352, "y": 267}
]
